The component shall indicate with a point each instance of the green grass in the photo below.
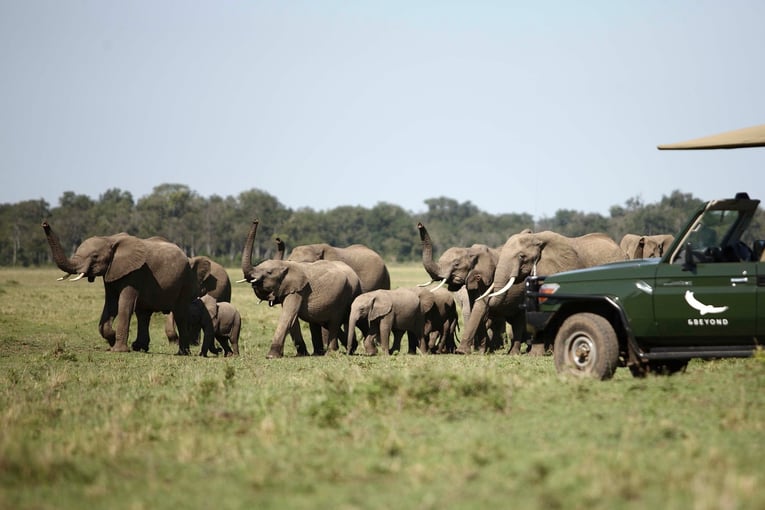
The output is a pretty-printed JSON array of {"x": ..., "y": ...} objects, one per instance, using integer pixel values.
[{"x": 84, "y": 428}]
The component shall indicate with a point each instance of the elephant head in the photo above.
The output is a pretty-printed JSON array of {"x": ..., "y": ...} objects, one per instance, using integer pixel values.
[
  {"x": 528, "y": 253},
  {"x": 472, "y": 267},
  {"x": 273, "y": 280},
  {"x": 112, "y": 257}
]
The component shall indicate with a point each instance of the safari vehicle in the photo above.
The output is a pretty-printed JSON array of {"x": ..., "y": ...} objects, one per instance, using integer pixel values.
[{"x": 704, "y": 298}]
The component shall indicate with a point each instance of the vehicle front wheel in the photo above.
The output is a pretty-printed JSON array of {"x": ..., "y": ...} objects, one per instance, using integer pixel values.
[{"x": 586, "y": 345}]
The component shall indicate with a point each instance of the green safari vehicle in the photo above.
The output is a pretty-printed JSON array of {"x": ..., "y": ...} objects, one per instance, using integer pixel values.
[{"x": 704, "y": 298}]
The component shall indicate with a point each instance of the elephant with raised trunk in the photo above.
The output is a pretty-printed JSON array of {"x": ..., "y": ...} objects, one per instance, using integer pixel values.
[
  {"x": 644, "y": 247},
  {"x": 319, "y": 293},
  {"x": 470, "y": 270},
  {"x": 545, "y": 253},
  {"x": 141, "y": 276},
  {"x": 367, "y": 263}
]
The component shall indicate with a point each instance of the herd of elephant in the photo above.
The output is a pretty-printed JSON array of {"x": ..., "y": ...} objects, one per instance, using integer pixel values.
[{"x": 335, "y": 291}]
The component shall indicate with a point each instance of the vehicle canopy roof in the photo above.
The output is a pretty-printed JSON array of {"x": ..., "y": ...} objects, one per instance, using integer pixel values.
[{"x": 737, "y": 139}]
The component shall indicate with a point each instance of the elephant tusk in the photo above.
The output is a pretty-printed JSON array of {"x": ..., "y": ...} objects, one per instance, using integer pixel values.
[
  {"x": 488, "y": 291},
  {"x": 425, "y": 284},
  {"x": 78, "y": 277},
  {"x": 503, "y": 289},
  {"x": 244, "y": 280},
  {"x": 443, "y": 282},
  {"x": 65, "y": 277}
]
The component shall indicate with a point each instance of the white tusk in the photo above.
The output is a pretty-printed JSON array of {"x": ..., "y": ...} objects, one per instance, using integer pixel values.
[
  {"x": 65, "y": 277},
  {"x": 425, "y": 284},
  {"x": 79, "y": 276},
  {"x": 488, "y": 291},
  {"x": 242, "y": 281},
  {"x": 443, "y": 282},
  {"x": 504, "y": 289}
]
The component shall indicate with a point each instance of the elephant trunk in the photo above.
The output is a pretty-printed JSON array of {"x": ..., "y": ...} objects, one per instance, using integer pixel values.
[
  {"x": 59, "y": 257},
  {"x": 353, "y": 318},
  {"x": 427, "y": 253},
  {"x": 279, "y": 255},
  {"x": 247, "y": 251}
]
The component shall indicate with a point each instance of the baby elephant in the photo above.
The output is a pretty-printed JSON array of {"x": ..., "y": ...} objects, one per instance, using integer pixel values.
[
  {"x": 396, "y": 311},
  {"x": 218, "y": 321}
]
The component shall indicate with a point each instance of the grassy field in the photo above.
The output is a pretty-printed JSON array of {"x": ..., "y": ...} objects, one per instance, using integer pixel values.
[{"x": 84, "y": 428}]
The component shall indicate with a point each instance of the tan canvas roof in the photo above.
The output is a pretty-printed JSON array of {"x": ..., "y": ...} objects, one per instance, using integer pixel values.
[{"x": 747, "y": 137}]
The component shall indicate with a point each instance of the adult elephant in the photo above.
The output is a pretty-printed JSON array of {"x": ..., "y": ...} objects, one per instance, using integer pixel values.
[
  {"x": 643, "y": 247},
  {"x": 470, "y": 270},
  {"x": 399, "y": 311},
  {"x": 319, "y": 293},
  {"x": 367, "y": 263},
  {"x": 217, "y": 285},
  {"x": 141, "y": 276},
  {"x": 544, "y": 253}
]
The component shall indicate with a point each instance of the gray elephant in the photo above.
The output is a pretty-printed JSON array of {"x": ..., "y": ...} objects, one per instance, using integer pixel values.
[
  {"x": 141, "y": 276},
  {"x": 367, "y": 263},
  {"x": 217, "y": 284},
  {"x": 398, "y": 311},
  {"x": 643, "y": 247},
  {"x": 470, "y": 270},
  {"x": 441, "y": 319},
  {"x": 319, "y": 293},
  {"x": 218, "y": 321},
  {"x": 368, "y": 266},
  {"x": 545, "y": 253}
]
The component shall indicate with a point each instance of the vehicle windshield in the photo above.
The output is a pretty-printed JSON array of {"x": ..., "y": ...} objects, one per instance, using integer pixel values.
[{"x": 722, "y": 235}]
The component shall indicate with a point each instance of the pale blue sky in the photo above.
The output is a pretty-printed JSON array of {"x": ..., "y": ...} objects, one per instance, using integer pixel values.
[{"x": 524, "y": 107}]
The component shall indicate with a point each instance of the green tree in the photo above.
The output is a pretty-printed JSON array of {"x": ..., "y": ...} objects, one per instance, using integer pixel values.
[{"x": 22, "y": 241}]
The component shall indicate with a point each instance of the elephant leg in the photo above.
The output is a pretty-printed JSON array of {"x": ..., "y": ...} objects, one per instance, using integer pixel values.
[
  {"x": 318, "y": 338},
  {"x": 385, "y": 330},
  {"x": 125, "y": 309},
  {"x": 170, "y": 332},
  {"x": 287, "y": 321},
  {"x": 185, "y": 330},
  {"x": 497, "y": 337},
  {"x": 475, "y": 331},
  {"x": 234, "y": 335},
  {"x": 398, "y": 336},
  {"x": 225, "y": 344},
  {"x": 297, "y": 338},
  {"x": 332, "y": 331},
  {"x": 370, "y": 345},
  {"x": 537, "y": 349},
  {"x": 518, "y": 324},
  {"x": 142, "y": 339},
  {"x": 417, "y": 339},
  {"x": 105, "y": 328}
]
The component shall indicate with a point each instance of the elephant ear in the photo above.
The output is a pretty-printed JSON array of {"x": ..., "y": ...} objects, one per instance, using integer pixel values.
[
  {"x": 202, "y": 267},
  {"x": 483, "y": 266},
  {"x": 427, "y": 301},
  {"x": 379, "y": 308},
  {"x": 128, "y": 255},
  {"x": 294, "y": 280},
  {"x": 211, "y": 305},
  {"x": 211, "y": 308}
]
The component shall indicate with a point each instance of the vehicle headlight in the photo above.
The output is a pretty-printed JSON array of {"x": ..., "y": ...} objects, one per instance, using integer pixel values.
[{"x": 547, "y": 290}]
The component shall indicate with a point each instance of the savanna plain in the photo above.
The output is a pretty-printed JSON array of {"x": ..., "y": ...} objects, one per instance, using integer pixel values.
[{"x": 81, "y": 427}]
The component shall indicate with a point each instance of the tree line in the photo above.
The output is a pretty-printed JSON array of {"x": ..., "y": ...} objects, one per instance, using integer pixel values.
[{"x": 217, "y": 226}]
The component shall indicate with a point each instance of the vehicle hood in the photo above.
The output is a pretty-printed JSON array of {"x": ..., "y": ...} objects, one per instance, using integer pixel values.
[{"x": 638, "y": 268}]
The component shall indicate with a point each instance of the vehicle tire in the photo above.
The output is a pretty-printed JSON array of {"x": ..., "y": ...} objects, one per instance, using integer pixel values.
[{"x": 586, "y": 345}]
